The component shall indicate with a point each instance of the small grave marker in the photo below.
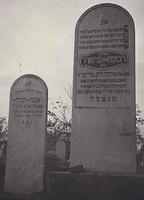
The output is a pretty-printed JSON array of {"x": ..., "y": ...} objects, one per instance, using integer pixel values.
[{"x": 26, "y": 136}]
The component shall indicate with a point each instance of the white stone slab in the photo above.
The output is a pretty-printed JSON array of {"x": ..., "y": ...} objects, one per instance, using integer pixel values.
[
  {"x": 26, "y": 136},
  {"x": 103, "y": 120}
]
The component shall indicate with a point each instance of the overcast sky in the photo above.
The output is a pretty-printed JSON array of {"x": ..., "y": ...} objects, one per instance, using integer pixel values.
[{"x": 37, "y": 36}]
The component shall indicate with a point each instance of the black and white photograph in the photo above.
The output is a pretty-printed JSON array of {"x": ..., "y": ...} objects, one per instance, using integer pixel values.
[{"x": 72, "y": 100}]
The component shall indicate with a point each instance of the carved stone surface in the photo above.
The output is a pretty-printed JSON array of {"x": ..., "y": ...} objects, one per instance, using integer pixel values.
[
  {"x": 103, "y": 125},
  {"x": 26, "y": 136}
]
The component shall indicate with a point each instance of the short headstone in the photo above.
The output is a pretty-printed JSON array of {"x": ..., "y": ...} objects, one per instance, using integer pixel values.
[
  {"x": 26, "y": 136},
  {"x": 103, "y": 120}
]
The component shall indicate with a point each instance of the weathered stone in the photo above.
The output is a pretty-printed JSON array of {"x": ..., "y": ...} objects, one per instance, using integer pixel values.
[
  {"x": 103, "y": 125},
  {"x": 26, "y": 136}
]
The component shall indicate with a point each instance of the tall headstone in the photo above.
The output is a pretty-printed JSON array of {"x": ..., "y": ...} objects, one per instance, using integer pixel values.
[
  {"x": 26, "y": 136},
  {"x": 103, "y": 125}
]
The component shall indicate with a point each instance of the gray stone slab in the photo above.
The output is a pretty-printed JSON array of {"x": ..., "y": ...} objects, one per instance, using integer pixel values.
[
  {"x": 103, "y": 125},
  {"x": 26, "y": 136}
]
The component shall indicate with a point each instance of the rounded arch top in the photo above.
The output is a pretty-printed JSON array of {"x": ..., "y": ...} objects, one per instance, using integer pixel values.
[
  {"x": 29, "y": 76},
  {"x": 104, "y": 5}
]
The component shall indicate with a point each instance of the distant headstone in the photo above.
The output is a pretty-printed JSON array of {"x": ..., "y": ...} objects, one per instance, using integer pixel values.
[
  {"x": 103, "y": 121},
  {"x": 60, "y": 149},
  {"x": 26, "y": 136}
]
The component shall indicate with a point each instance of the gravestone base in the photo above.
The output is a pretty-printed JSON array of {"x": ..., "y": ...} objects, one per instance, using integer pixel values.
[
  {"x": 102, "y": 186},
  {"x": 4, "y": 196},
  {"x": 88, "y": 185}
]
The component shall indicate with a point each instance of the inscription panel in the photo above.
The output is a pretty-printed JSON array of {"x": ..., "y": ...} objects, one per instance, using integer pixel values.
[{"x": 104, "y": 71}]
